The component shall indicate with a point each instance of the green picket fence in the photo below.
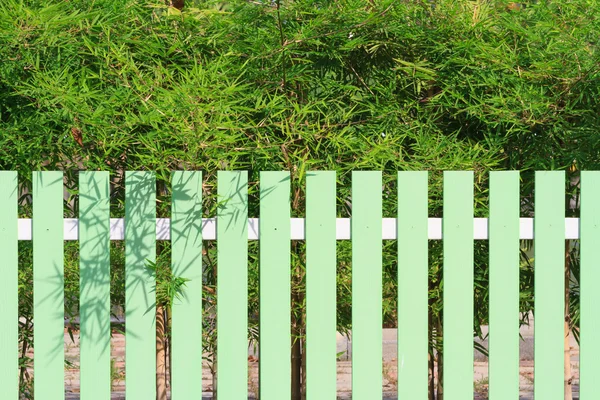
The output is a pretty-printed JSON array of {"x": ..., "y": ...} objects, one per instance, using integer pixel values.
[{"x": 320, "y": 229}]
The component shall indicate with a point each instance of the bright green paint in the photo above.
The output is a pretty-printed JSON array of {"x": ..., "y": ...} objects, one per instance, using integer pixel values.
[
  {"x": 366, "y": 285},
  {"x": 140, "y": 303},
  {"x": 504, "y": 285},
  {"x": 589, "y": 350},
  {"x": 48, "y": 285},
  {"x": 320, "y": 286},
  {"x": 412, "y": 286},
  {"x": 275, "y": 316},
  {"x": 232, "y": 285},
  {"x": 458, "y": 285},
  {"x": 9, "y": 312},
  {"x": 94, "y": 300},
  {"x": 186, "y": 262},
  {"x": 549, "y": 231},
  {"x": 321, "y": 280}
]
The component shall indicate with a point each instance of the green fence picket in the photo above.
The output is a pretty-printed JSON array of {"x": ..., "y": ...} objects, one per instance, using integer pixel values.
[
  {"x": 320, "y": 285},
  {"x": 504, "y": 285},
  {"x": 275, "y": 335},
  {"x": 413, "y": 278},
  {"x": 275, "y": 292},
  {"x": 186, "y": 262},
  {"x": 9, "y": 312},
  {"x": 94, "y": 298},
  {"x": 458, "y": 285},
  {"x": 140, "y": 285},
  {"x": 366, "y": 285},
  {"x": 232, "y": 285},
  {"x": 48, "y": 285},
  {"x": 549, "y": 230},
  {"x": 589, "y": 350}
]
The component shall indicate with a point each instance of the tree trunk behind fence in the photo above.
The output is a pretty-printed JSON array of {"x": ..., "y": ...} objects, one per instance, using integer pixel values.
[
  {"x": 440, "y": 365},
  {"x": 567, "y": 344},
  {"x": 161, "y": 354},
  {"x": 431, "y": 347},
  {"x": 431, "y": 388},
  {"x": 297, "y": 319},
  {"x": 303, "y": 345},
  {"x": 296, "y": 369}
]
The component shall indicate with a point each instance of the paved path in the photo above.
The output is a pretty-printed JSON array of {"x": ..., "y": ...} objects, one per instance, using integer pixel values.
[{"x": 344, "y": 381}]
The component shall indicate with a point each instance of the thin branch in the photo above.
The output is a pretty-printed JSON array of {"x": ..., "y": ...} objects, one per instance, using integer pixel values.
[{"x": 282, "y": 38}]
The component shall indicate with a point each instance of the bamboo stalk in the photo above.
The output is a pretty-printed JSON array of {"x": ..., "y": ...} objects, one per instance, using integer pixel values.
[
  {"x": 567, "y": 345},
  {"x": 161, "y": 354}
]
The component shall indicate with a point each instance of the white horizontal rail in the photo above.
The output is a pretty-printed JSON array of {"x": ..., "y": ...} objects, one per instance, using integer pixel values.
[{"x": 389, "y": 229}]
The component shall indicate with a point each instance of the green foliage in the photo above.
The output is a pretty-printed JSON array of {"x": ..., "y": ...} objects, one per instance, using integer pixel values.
[
  {"x": 168, "y": 287},
  {"x": 296, "y": 85}
]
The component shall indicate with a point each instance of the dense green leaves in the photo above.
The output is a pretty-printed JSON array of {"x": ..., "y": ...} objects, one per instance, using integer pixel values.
[{"x": 297, "y": 85}]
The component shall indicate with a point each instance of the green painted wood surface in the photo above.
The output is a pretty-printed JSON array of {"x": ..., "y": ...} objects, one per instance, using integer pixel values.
[
  {"x": 48, "y": 285},
  {"x": 140, "y": 282},
  {"x": 321, "y": 285},
  {"x": 94, "y": 298},
  {"x": 412, "y": 286},
  {"x": 275, "y": 314},
  {"x": 9, "y": 268},
  {"x": 232, "y": 285},
  {"x": 457, "y": 231},
  {"x": 366, "y": 285},
  {"x": 186, "y": 262},
  {"x": 504, "y": 285},
  {"x": 549, "y": 231},
  {"x": 589, "y": 350}
]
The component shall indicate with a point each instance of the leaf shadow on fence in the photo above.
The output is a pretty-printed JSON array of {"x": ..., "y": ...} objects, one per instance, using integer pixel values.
[
  {"x": 48, "y": 280},
  {"x": 140, "y": 247}
]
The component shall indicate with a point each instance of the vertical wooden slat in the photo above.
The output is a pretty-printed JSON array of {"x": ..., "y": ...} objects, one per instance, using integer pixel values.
[
  {"x": 589, "y": 350},
  {"x": 504, "y": 285},
  {"x": 458, "y": 285},
  {"x": 549, "y": 230},
  {"x": 366, "y": 285},
  {"x": 9, "y": 269},
  {"x": 94, "y": 300},
  {"x": 320, "y": 286},
  {"x": 140, "y": 303},
  {"x": 186, "y": 261},
  {"x": 48, "y": 285},
  {"x": 232, "y": 285},
  {"x": 275, "y": 313},
  {"x": 412, "y": 286}
]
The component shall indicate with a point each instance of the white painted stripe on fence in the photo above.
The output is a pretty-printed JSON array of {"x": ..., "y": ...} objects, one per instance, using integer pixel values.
[{"x": 209, "y": 228}]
